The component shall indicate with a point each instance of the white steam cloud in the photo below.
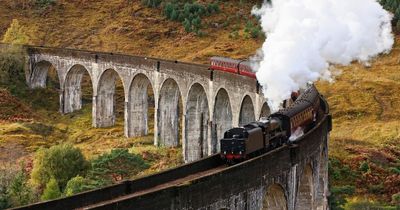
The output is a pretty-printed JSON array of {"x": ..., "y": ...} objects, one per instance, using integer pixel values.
[{"x": 304, "y": 37}]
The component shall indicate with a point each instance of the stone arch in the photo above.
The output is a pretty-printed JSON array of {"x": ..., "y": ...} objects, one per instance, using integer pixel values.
[
  {"x": 39, "y": 73},
  {"x": 246, "y": 111},
  {"x": 275, "y": 198},
  {"x": 73, "y": 88},
  {"x": 168, "y": 114},
  {"x": 106, "y": 107},
  {"x": 305, "y": 190},
  {"x": 222, "y": 119},
  {"x": 265, "y": 110},
  {"x": 138, "y": 107},
  {"x": 196, "y": 123}
]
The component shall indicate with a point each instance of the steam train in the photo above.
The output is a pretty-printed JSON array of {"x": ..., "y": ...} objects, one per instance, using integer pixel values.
[
  {"x": 279, "y": 128},
  {"x": 232, "y": 66}
]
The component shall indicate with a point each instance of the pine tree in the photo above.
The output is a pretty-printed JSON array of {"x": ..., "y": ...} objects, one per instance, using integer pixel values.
[
  {"x": 187, "y": 24},
  {"x": 52, "y": 190}
]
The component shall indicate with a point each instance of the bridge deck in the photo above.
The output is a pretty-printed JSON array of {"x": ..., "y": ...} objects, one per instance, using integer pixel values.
[{"x": 176, "y": 182}]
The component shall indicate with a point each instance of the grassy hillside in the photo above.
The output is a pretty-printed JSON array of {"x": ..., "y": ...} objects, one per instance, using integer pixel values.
[
  {"x": 129, "y": 27},
  {"x": 365, "y": 101}
]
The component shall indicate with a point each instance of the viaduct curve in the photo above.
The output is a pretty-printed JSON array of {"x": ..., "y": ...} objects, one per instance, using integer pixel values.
[
  {"x": 212, "y": 101},
  {"x": 290, "y": 177}
]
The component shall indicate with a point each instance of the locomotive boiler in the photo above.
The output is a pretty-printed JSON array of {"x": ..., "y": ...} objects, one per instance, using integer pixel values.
[{"x": 279, "y": 128}]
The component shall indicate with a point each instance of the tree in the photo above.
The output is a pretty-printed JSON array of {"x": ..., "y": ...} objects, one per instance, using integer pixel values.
[
  {"x": 188, "y": 25},
  {"x": 52, "y": 190},
  {"x": 12, "y": 66},
  {"x": 19, "y": 191},
  {"x": 394, "y": 7},
  {"x": 61, "y": 162},
  {"x": 76, "y": 185},
  {"x": 15, "y": 34},
  {"x": 116, "y": 166}
]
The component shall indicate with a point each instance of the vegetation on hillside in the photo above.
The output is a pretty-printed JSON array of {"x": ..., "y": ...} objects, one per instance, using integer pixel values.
[{"x": 394, "y": 7}]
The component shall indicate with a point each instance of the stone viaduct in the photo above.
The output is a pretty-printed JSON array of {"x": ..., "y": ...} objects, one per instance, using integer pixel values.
[
  {"x": 292, "y": 177},
  {"x": 212, "y": 101}
]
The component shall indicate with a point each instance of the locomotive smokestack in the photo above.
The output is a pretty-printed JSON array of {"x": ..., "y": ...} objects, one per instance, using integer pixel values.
[{"x": 304, "y": 37}]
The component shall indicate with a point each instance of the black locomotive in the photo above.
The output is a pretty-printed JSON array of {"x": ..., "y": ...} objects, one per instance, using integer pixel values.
[{"x": 279, "y": 128}]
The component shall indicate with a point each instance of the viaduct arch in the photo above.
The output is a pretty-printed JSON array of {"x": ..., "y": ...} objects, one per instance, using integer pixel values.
[{"x": 211, "y": 101}]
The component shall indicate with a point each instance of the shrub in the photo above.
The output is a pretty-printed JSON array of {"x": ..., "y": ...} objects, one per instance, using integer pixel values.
[
  {"x": 364, "y": 167},
  {"x": 395, "y": 170},
  {"x": 52, "y": 190},
  {"x": 76, "y": 185},
  {"x": 116, "y": 165},
  {"x": 253, "y": 30},
  {"x": 19, "y": 192},
  {"x": 6, "y": 176},
  {"x": 12, "y": 66},
  {"x": 376, "y": 188},
  {"x": 151, "y": 3},
  {"x": 337, "y": 198},
  {"x": 61, "y": 162},
  {"x": 15, "y": 34},
  {"x": 45, "y": 3},
  {"x": 394, "y": 7},
  {"x": 396, "y": 199},
  {"x": 367, "y": 204},
  {"x": 188, "y": 25},
  {"x": 213, "y": 8}
]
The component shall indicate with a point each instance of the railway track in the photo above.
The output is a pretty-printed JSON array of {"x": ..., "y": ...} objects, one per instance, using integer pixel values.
[{"x": 176, "y": 182}]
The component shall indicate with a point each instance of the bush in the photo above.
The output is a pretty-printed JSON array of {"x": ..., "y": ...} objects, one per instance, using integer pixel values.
[
  {"x": 253, "y": 30},
  {"x": 52, "y": 190},
  {"x": 394, "y": 7},
  {"x": 19, "y": 192},
  {"x": 151, "y": 3},
  {"x": 339, "y": 171},
  {"x": 364, "y": 167},
  {"x": 15, "y": 34},
  {"x": 337, "y": 198},
  {"x": 61, "y": 162},
  {"x": 396, "y": 199},
  {"x": 116, "y": 165},
  {"x": 366, "y": 204},
  {"x": 45, "y": 3},
  {"x": 12, "y": 69},
  {"x": 76, "y": 185}
]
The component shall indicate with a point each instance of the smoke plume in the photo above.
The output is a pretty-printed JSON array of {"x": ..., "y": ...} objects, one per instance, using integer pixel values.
[{"x": 305, "y": 37}]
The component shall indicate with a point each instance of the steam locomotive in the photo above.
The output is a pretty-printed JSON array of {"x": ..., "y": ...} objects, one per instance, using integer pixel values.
[
  {"x": 279, "y": 128},
  {"x": 232, "y": 66}
]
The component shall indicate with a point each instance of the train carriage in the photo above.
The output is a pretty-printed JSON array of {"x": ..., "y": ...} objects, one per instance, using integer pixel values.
[{"x": 232, "y": 66}]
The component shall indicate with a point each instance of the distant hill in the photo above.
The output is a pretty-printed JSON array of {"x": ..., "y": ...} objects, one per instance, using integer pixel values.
[{"x": 131, "y": 27}]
